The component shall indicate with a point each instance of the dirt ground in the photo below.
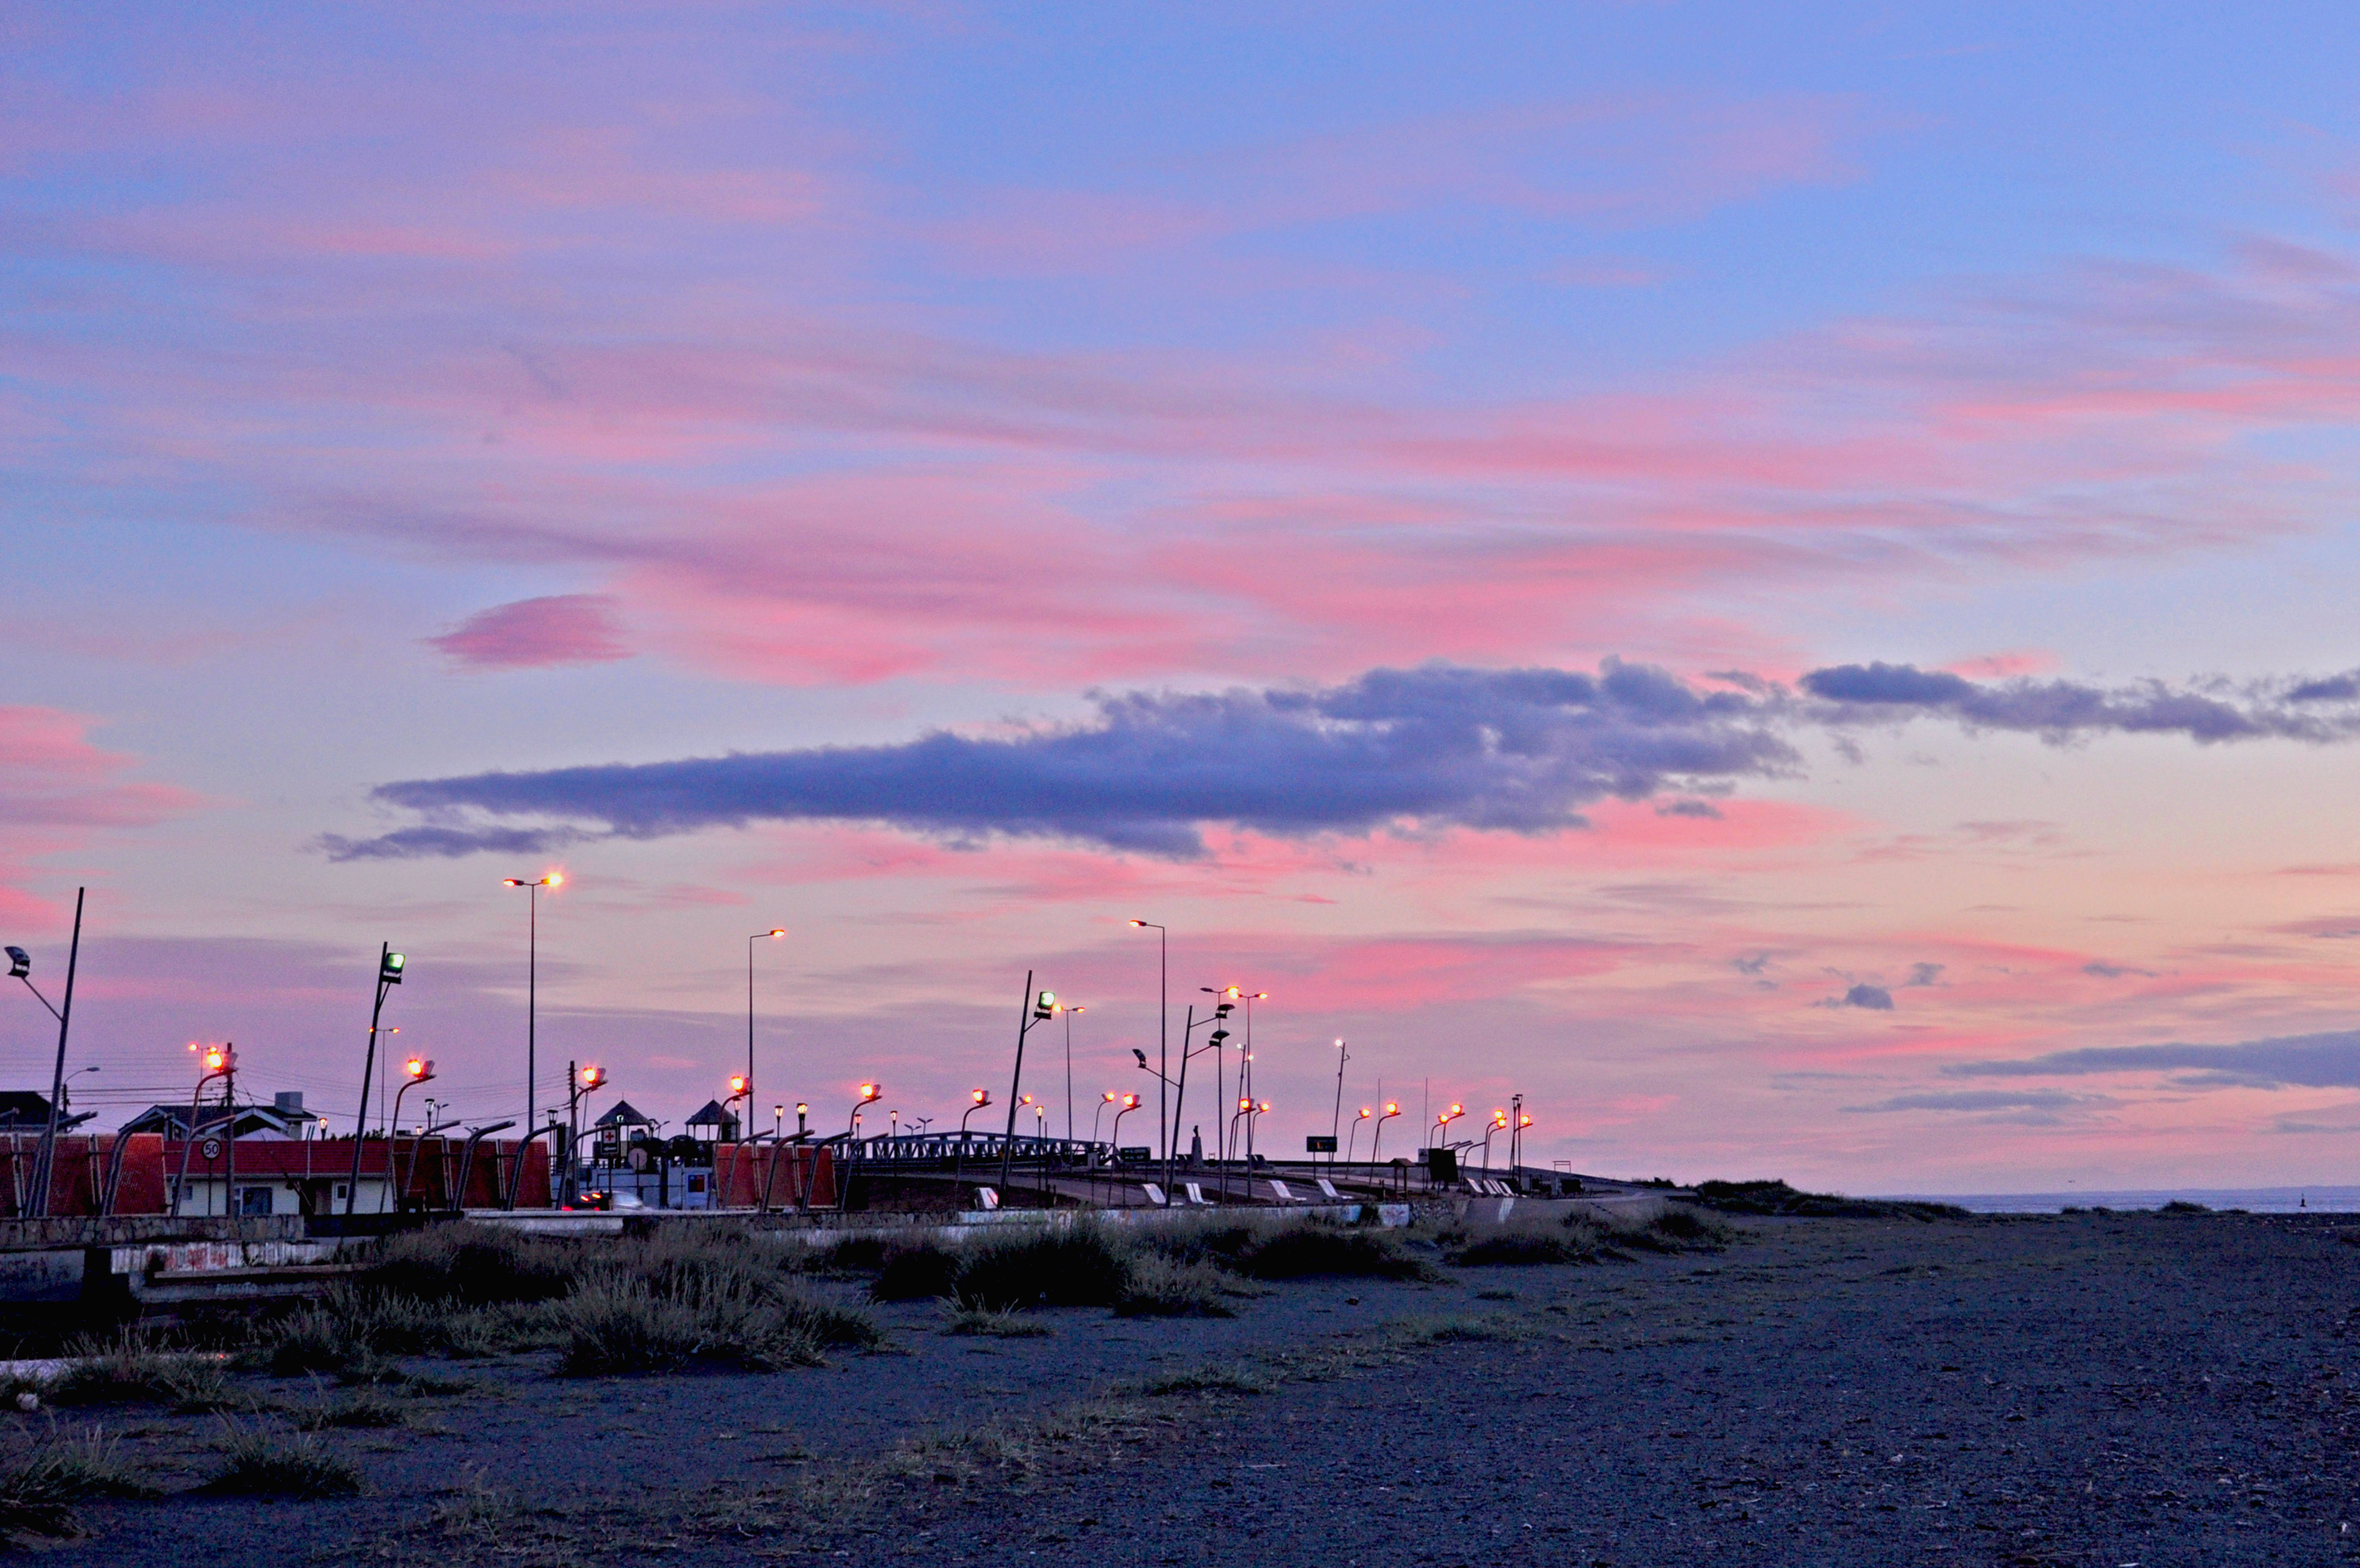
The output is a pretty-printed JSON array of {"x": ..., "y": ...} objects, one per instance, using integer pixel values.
[{"x": 2102, "y": 1391}]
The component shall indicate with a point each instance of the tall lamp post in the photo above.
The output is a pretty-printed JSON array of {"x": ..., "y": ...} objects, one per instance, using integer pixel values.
[
  {"x": 1163, "y": 1023},
  {"x": 1105, "y": 1100},
  {"x": 1392, "y": 1109},
  {"x": 1038, "y": 1008},
  {"x": 1365, "y": 1115},
  {"x": 1343, "y": 1054},
  {"x": 758, "y": 936},
  {"x": 20, "y": 965},
  {"x": 414, "y": 1071},
  {"x": 1069, "y": 1013},
  {"x": 531, "y": 988},
  {"x": 389, "y": 966}
]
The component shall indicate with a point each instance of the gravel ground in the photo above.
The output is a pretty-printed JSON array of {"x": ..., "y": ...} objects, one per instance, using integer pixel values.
[{"x": 2147, "y": 1389}]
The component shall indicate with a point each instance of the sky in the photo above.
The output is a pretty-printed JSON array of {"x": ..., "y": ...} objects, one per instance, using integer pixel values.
[{"x": 1772, "y": 578}]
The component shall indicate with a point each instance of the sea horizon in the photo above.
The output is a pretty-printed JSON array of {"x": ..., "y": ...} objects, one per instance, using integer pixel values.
[{"x": 2254, "y": 1200}]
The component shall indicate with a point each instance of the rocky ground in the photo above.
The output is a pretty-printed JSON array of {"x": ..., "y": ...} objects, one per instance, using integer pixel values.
[{"x": 2091, "y": 1389}]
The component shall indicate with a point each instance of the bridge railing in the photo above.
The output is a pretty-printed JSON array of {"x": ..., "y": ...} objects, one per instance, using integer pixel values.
[{"x": 972, "y": 1149}]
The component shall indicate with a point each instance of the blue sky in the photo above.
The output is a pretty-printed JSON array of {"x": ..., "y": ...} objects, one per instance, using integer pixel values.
[{"x": 402, "y": 394}]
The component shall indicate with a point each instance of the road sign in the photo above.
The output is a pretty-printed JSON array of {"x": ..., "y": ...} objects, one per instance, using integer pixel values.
[
  {"x": 211, "y": 1148},
  {"x": 1133, "y": 1155},
  {"x": 1319, "y": 1143}
]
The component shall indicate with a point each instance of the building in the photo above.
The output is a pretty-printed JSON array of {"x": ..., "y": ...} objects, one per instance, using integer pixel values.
[{"x": 284, "y": 1117}]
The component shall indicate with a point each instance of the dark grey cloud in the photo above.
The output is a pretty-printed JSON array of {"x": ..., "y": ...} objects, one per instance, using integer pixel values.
[
  {"x": 2309, "y": 1061},
  {"x": 2064, "y": 709},
  {"x": 2098, "y": 968},
  {"x": 1875, "y": 999},
  {"x": 1520, "y": 749},
  {"x": 1925, "y": 974},
  {"x": 1984, "y": 1100},
  {"x": 1438, "y": 746}
]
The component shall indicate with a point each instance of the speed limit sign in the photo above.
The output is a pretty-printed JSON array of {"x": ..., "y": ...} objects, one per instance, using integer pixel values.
[{"x": 210, "y": 1149}]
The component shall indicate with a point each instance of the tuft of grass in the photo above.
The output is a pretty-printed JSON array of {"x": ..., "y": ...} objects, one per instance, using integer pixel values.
[
  {"x": 1204, "y": 1381},
  {"x": 914, "y": 1274},
  {"x": 366, "y": 1408},
  {"x": 472, "y": 1265},
  {"x": 1530, "y": 1244},
  {"x": 132, "y": 1368},
  {"x": 1007, "y": 1323},
  {"x": 1158, "y": 1287},
  {"x": 261, "y": 1464},
  {"x": 1079, "y": 1267},
  {"x": 1308, "y": 1248},
  {"x": 2182, "y": 1206},
  {"x": 478, "y": 1509},
  {"x": 1455, "y": 1330},
  {"x": 40, "y": 1485}
]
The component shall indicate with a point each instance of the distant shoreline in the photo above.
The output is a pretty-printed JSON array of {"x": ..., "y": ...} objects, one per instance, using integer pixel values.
[{"x": 2326, "y": 1200}]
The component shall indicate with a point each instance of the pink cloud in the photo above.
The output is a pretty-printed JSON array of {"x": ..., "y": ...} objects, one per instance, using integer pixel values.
[{"x": 534, "y": 634}]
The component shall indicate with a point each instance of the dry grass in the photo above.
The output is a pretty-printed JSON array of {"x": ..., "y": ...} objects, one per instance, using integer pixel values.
[
  {"x": 258, "y": 1464},
  {"x": 1160, "y": 1287},
  {"x": 1005, "y": 1324},
  {"x": 39, "y": 1485}
]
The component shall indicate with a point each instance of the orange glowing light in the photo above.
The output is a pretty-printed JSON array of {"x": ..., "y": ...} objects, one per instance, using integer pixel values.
[
  {"x": 737, "y": 1083},
  {"x": 980, "y": 1095},
  {"x": 591, "y": 1075},
  {"x": 869, "y": 1091},
  {"x": 1392, "y": 1108},
  {"x": 414, "y": 1067},
  {"x": 1366, "y": 1113}
]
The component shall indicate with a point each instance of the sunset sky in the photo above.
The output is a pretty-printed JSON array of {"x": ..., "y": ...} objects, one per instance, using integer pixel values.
[{"x": 1775, "y": 578}]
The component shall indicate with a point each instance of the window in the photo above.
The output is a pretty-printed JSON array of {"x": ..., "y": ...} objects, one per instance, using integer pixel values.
[
  {"x": 253, "y": 1200},
  {"x": 344, "y": 1191}
]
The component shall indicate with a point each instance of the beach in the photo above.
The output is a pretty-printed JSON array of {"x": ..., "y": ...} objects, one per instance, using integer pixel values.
[{"x": 2083, "y": 1389}]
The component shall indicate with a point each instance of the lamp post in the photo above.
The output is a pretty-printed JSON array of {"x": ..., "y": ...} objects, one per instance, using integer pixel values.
[
  {"x": 1516, "y": 1135},
  {"x": 870, "y": 1094},
  {"x": 1163, "y": 1023},
  {"x": 1038, "y": 1008},
  {"x": 219, "y": 1061},
  {"x": 1105, "y": 1100},
  {"x": 1355, "y": 1141},
  {"x": 390, "y": 968},
  {"x": 1499, "y": 1123},
  {"x": 977, "y": 1099},
  {"x": 532, "y": 986},
  {"x": 758, "y": 936},
  {"x": 21, "y": 965},
  {"x": 414, "y": 1071},
  {"x": 580, "y": 1083},
  {"x": 1343, "y": 1054},
  {"x": 1069, "y": 1013},
  {"x": 1129, "y": 1103},
  {"x": 1392, "y": 1109},
  {"x": 1441, "y": 1130}
]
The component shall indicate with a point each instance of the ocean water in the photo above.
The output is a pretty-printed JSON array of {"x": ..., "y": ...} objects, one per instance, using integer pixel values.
[{"x": 2255, "y": 1200}]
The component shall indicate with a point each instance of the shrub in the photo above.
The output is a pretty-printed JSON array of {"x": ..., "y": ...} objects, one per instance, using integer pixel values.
[
  {"x": 1677, "y": 1222},
  {"x": 1778, "y": 1198},
  {"x": 1160, "y": 1287},
  {"x": 707, "y": 1318},
  {"x": 1530, "y": 1244},
  {"x": 853, "y": 1255},
  {"x": 363, "y": 1408},
  {"x": 132, "y": 1368},
  {"x": 1304, "y": 1250},
  {"x": 1076, "y": 1267},
  {"x": 476, "y": 1265},
  {"x": 258, "y": 1465},
  {"x": 1010, "y": 1323},
  {"x": 40, "y": 1486},
  {"x": 2182, "y": 1206},
  {"x": 916, "y": 1274},
  {"x": 1204, "y": 1380}
]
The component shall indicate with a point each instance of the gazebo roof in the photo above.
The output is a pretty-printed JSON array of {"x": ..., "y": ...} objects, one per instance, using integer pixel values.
[
  {"x": 711, "y": 1116},
  {"x": 624, "y": 1115}
]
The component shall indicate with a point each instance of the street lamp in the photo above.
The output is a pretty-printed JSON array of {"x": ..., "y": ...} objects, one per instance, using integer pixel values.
[
  {"x": 1129, "y": 1103},
  {"x": 219, "y": 1062},
  {"x": 1039, "y": 1008},
  {"x": 870, "y": 1094},
  {"x": 977, "y": 1099},
  {"x": 531, "y": 988},
  {"x": 758, "y": 936},
  {"x": 1335, "y": 1126},
  {"x": 1105, "y": 1100},
  {"x": 389, "y": 968},
  {"x": 1392, "y": 1109},
  {"x": 1069, "y": 1013},
  {"x": 20, "y": 965},
  {"x": 1355, "y": 1141},
  {"x": 1499, "y": 1123},
  {"x": 414, "y": 1071},
  {"x": 1163, "y": 1023}
]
